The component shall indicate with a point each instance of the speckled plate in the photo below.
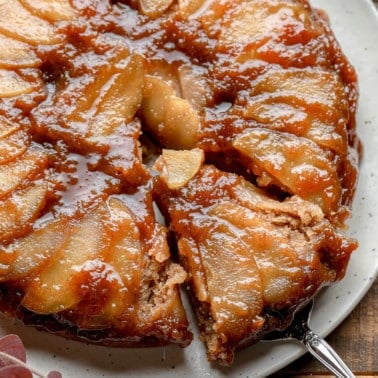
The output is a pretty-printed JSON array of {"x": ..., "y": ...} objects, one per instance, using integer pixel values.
[{"x": 356, "y": 26}]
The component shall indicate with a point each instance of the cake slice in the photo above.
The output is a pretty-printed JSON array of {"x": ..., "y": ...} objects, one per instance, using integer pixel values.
[
  {"x": 103, "y": 277},
  {"x": 252, "y": 260}
]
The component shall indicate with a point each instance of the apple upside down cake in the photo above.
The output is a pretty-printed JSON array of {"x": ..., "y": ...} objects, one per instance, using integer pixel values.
[{"x": 147, "y": 144}]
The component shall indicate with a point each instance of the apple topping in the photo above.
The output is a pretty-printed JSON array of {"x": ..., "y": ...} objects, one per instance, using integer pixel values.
[
  {"x": 31, "y": 252},
  {"x": 189, "y": 7},
  {"x": 51, "y": 10},
  {"x": 296, "y": 163},
  {"x": 193, "y": 86},
  {"x": 246, "y": 107},
  {"x": 124, "y": 255},
  {"x": 14, "y": 53},
  {"x": 257, "y": 21},
  {"x": 13, "y": 146},
  {"x": 121, "y": 99},
  {"x": 306, "y": 103},
  {"x": 154, "y": 8},
  {"x": 12, "y": 84},
  {"x": 15, "y": 173},
  {"x": 54, "y": 289},
  {"x": 8, "y": 127},
  {"x": 18, "y": 23},
  {"x": 95, "y": 112},
  {"x": 232, "y": 278},
  {"x": 170, "y": 118},
  {"x": 178, "y": 167},
  {"x": 19, "y": 211},
  {"x": 282, "y": 279}
]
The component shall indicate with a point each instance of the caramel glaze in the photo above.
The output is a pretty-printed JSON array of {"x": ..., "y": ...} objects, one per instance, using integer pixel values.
[{"x": 234, "y": 73}]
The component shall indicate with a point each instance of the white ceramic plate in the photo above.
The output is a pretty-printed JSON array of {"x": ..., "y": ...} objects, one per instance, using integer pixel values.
[{"x": 356, "y": 26}]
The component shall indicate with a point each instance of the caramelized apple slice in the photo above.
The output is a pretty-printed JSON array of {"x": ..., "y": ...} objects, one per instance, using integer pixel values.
[
  {"x": 13, "y": 146},
  {"x": 12, "y": 84},
  {"x": 31, "y": 252},
  {"x": 125, "y": 255},
  {"x": 154, "y": 8},
  {"x": 188, "y": 7},
  {"x": 193, "y": 85},
  {"x": 135, "y": 284},
  {"x": 172, "y": 119},
  {"x": 8, "y": 127},
  {"x": 279, "y": 32},
  {"x": 95, "y": 112},
  {"x": 316, "y": 89},
  {"x": 83, "y": 94},
  {"x": 191, "y": 259},
  {"x": 308, "y": 103},
  {"x": 13, "y": 174},
  {"x": 16, "y": 54},
  {"x": 296, "y": 163},
  {"x": 254, "y": 20},
  {"x": 153, "y": 106},
  {"x": 281, "y": 276},
  {"x": 279, "y": 114},
  {"x": 18, "y": 23},
  {"x": 178, "y": 167},
  {"x": 121, "y": 100},
  {"x": 232, "y": 277},
  {"x": 54, "y": 289},
  {"x": 51, "y": 10},
  {"x": 19, "y": 211}
]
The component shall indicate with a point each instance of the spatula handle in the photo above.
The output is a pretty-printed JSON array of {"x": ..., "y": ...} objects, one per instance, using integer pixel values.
[{"x": 322, "y": 351}]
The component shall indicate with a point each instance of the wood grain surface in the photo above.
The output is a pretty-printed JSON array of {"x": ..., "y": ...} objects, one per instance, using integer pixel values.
[{"x": 355, "y": 340}]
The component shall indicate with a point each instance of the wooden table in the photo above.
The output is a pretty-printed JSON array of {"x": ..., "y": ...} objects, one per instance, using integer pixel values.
[{"x": 355, "y": 340}]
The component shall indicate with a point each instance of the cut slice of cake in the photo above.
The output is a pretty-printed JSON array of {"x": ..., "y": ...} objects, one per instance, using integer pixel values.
[{"x": 252, "y": 260}]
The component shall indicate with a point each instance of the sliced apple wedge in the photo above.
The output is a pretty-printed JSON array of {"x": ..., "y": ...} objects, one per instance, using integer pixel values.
[
  {"x": 31, "y": 252},
  {"x": 173, "y": 120},
  {"x": 16, "y": 54},
  {"x": 12, "y": 84},
  {"x": 51, "y": 10},
  {"x": 194, "y": 86},
  {"x": 100, "y": 100},
  {"x": 154, "y": 8},
  {"x": 19, "y": 211},
  {"x": 125, "y": 255},
  {"x": 178, "y": 167},
  {"x": 55, "y": 287},
  {"x": 13, "y": 146},
  {"x": 306, "y": 103},
  {"x": 8, "y": 127},
  {"x": 125, "y": 250},
  {"x": 188, "y": 7},
  {"x": 232, "y": 277},
  {"x": 18, "y": 23},
  {"x": 82, "y": 94},
  {"x": 282, "y": 279},
  {"x": 156, "y": 92},
  {"x": 181, "y": 123},
  {"x": 13, "y": 174},
  {"x": 297, "y": 163},
  {"x": 255, "y": 23},
  {"x": 122, "y": 98}
]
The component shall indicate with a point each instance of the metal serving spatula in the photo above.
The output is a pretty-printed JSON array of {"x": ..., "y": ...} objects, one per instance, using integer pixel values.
[{"x": 318, "y": 347}]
